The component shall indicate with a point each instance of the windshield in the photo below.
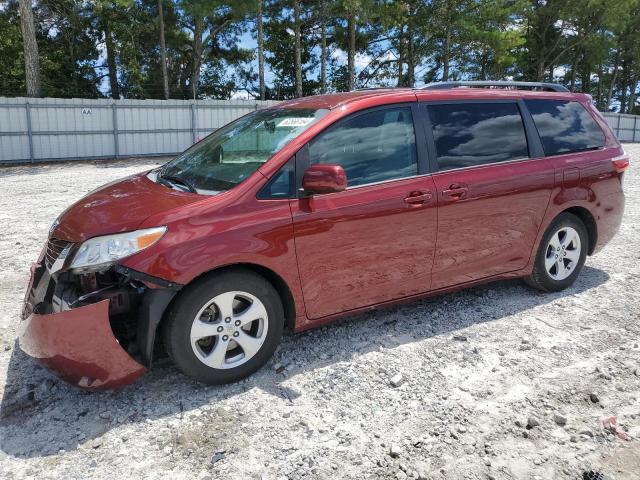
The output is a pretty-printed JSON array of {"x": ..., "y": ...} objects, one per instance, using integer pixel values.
[{"x": 229, "y": 155}]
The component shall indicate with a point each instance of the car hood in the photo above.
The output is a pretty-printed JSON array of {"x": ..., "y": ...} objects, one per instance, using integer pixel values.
[{"x": 119, "y": 206}]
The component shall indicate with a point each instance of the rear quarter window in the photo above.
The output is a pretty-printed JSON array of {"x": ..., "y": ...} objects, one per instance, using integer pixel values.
[{"x": 565, "y": 126}]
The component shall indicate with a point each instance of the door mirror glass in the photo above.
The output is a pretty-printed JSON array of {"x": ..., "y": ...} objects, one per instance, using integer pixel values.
[{"x": 324, "y": 178}]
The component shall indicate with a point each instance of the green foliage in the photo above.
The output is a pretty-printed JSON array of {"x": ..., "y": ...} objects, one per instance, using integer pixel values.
[
  {"x": 12, "y": 80},
  {"x": 494, "y": 39},
  {"x": 280, "y": 44},
  {"x": 67, "y": 48},
  {"x": 91, "y": 48}
]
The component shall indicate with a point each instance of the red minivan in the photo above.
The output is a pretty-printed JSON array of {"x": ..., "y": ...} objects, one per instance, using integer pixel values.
[{"x": 317, "y": 208}]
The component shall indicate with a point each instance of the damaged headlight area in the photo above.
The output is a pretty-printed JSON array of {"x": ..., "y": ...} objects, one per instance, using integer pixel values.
[
  {"x": 100, "y": 252},
  {"x": 73, "y": 290}
]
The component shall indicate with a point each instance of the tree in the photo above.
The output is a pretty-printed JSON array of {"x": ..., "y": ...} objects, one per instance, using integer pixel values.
[
  {"x": 30, "y": 45},
  {"x": 67, "y": 53},
  {"x": 290, "y": 76},
  {"x": 163, "y": 52},
  {"x": 399, "y": 21},
  {"x": 322, "y": 18},
  {"x": 260, "y": 33},
  {"x": 628, "y": 78},
  {"x": 192, "y": 48},
  {"x": 297, "y": 25},
  {"x": 349, "y": 9},
  {"x": 351, "y": 51},
  {"x": 353, "y": 34},
  {"x": 13, "y": 79},
  {"x": 105, "y": 12},
  {"x": 215, "y": 28},
  {"x": 68, "y": 49},
  {"x": 493, "y": 34},
  {"x": 557, "y": 27}
]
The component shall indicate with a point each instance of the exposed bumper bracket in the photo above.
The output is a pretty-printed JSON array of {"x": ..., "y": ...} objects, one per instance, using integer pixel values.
[
  {"x": 143, "y": 277},
  {"x": 153, "y": 305}
]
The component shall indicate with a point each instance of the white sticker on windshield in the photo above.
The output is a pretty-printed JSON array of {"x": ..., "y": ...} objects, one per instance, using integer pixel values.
[{"x": 295, "y": 122}]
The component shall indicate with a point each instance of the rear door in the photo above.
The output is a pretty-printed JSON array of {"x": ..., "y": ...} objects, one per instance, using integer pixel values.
[
  {"x": 374, "y": 241},
  {"x": 493, "y": 186}
]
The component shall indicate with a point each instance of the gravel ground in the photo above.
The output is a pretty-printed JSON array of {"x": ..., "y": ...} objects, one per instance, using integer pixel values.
[{"x": 494, "y": 382}]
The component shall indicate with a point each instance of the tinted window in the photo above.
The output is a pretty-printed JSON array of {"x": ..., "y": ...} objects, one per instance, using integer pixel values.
[
  {"x": 281, "y": 184},
  {"x": 472, "y": 134},
  {"x": 564, "y": 126},
  {"x": 371, "y": 147}
]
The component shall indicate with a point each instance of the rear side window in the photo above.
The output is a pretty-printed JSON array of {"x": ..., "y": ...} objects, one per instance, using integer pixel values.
[
  {"x": 371, "y": 147},
  {"x": 565, "y": 126},
  {"x": 471, "y": 134}
]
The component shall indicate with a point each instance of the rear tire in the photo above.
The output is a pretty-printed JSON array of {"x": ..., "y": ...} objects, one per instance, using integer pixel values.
[
  {"x": 561, "y": 254},
  {"x": 224, "y": 327}
]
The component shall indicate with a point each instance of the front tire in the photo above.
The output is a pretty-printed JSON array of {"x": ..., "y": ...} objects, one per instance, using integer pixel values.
[
  {"x": 561, "y": 254},
  {"x": 224, "y": 327}
]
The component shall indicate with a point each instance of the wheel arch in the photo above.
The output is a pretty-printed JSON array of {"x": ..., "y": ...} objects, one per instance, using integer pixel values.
[
  {"x": 579, "y": 210},
  {"x": 284, "y": 292},
  {"x": 589, "y": 222}
]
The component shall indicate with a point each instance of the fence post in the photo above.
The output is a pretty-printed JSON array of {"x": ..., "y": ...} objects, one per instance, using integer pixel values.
[
  {"x": 114, "y": 116},
  {"x": 29, "y": 132},
  {"x": 194, "y": 133},
  {"x": 618, "y": 126},
  {"x": 635, "y": 127}
]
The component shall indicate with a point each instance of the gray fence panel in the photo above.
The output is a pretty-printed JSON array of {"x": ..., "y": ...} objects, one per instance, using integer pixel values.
[
  {"x": 152, "y": 143},
  {"x": 62, "y": 146},
  {"x": 14, "y": 142},
  {"x": 13, "y": 147},
  {"x": 45, "y": 129},
  {"x": 626, "y": 127}
]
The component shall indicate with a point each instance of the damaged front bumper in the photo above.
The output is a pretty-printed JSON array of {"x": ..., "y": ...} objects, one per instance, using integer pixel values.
[
  {"x": 99, "y": 340},
  {"x": 79, "y": 346}
]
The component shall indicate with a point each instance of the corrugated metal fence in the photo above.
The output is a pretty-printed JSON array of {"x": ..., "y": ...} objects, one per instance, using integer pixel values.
[
  {"x": 44, "y": 129},
  {"x": 626, "y": 127}
]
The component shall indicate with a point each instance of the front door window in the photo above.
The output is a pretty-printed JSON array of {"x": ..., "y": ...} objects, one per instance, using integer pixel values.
[{"x": 372, "y": 147}]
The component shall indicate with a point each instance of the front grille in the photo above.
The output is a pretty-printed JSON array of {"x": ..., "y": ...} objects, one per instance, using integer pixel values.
[{"x": 53, "y": 251}]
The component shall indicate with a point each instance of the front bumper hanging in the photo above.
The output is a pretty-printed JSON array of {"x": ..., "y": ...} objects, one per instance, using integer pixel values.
[{"x": 77, "y": 342}]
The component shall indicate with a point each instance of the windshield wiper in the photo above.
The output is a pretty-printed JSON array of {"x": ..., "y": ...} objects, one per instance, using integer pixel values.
[{"x": 176, "y": 180}]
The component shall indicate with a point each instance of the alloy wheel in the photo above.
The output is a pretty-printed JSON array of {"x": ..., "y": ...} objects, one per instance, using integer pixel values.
[
  {"x": 229, "y": 330},
  {"x": 563, "y": 253}
]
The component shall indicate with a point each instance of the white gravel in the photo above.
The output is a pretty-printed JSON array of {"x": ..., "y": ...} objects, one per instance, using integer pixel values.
[{"x": 477, "y": 368}]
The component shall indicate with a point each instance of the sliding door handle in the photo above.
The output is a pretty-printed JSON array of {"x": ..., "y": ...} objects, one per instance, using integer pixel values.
[
  {"x": 418, "y": 197},
  {"x": 455, "y": 192}
]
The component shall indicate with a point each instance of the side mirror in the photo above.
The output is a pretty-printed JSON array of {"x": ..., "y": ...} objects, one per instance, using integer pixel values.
[{"x": 324, "y": 178}]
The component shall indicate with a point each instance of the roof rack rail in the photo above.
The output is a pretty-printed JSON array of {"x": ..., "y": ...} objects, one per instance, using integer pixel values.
[
  {"x": 364, "y": 89},
  {"x": 550, "y": 87}
]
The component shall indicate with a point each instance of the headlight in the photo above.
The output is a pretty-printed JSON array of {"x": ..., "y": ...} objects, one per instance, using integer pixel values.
[{"x": 102, "y": 251}]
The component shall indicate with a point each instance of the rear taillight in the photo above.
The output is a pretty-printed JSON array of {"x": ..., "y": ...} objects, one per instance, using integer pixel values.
[{"x": 620, "y": 163}]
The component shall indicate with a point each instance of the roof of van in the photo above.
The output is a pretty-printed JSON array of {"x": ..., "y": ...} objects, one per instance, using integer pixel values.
[{"x": 334, "y": 100}]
